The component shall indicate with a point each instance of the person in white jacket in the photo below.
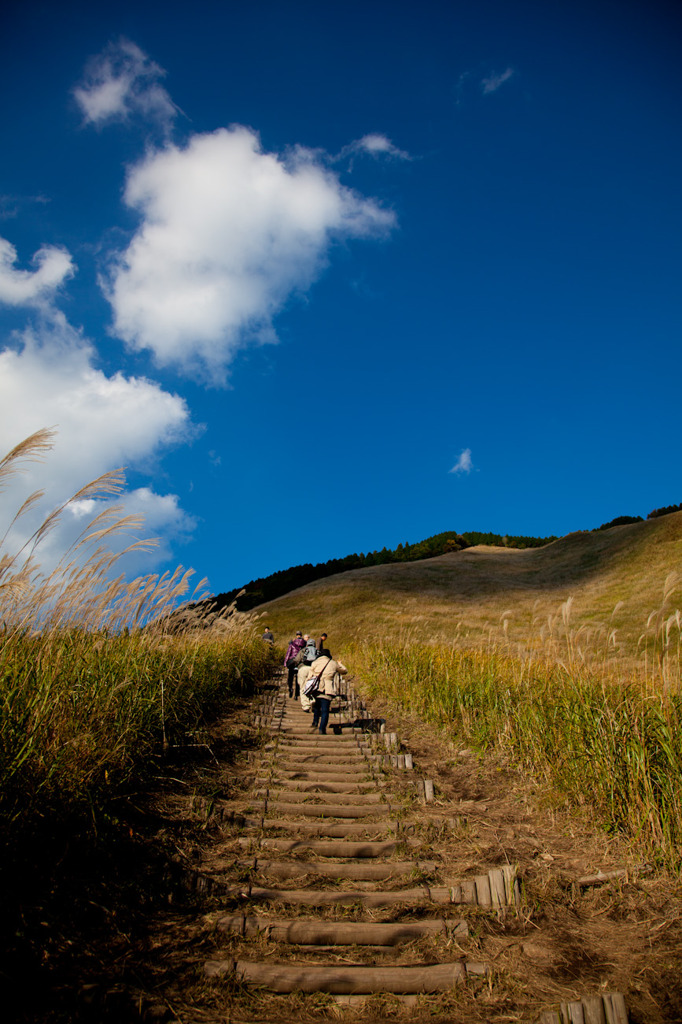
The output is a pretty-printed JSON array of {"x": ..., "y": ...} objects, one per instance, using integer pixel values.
[
  {"x": 328, "y": 669},
  {"x": 307, "y": 703}
]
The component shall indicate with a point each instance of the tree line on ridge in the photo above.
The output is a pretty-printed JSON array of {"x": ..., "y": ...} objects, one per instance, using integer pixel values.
[{"x": 267, "y": 588}]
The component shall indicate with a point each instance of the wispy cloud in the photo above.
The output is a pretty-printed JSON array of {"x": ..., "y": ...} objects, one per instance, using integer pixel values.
[
  {"x": 12, "y": 205},
  {"x": 493, "y": 83},
  {"x": 376, "y": 145},
  {"x": 228, "y": 233},
  {"x": 464, "y": 463},
  {"x": 122, "y": 81},
  {"x": 52, "y": 266}
]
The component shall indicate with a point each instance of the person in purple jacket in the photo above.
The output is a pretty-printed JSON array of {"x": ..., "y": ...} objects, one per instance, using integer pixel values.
[{"x": 295, "y": 646}]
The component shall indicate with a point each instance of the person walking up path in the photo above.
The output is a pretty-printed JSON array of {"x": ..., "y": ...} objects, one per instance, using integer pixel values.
[
  {"x": 311, "y": 651},
  {"x": 328, "y": 670},
  {"x": 292, "y": 660}
]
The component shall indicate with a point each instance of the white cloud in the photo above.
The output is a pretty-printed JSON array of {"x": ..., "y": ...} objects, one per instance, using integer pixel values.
[
  {"x": 53, "y": 265},
  {"x": 493, "y": 83},
  {"x": 375, "y": 145},
  {"x": 102, "y": 423},
  {"x": 228, "y": 233},
  {"x": 464, "y": 463},
  {"x": 122, "y": 81}
]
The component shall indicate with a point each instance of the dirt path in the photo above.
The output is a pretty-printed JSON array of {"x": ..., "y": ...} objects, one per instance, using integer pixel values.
[{"x": 304, "y": 877}]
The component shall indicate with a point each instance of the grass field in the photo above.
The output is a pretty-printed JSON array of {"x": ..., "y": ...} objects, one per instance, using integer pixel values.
[{"x": 564, "y": 658}]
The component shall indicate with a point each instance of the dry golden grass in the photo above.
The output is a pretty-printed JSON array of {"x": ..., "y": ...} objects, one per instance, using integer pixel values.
[
  {"x": 615, "y": 579},
  {"x": 92, "y": 684},
  {"x": 568, "y": 658}
]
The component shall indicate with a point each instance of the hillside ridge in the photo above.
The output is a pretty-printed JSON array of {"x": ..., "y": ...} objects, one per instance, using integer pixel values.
[
  {"x": 283, "y": 581},
  {"x": 625, "y": 565}
]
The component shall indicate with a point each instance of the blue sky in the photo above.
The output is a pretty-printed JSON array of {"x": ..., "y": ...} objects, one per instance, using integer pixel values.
[{"x": 326, "y": 278}]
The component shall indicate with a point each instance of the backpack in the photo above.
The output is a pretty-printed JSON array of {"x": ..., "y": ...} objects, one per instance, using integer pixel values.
[
  {"x": 312, "y": 684},
  {"x": 300, "y": 657}
]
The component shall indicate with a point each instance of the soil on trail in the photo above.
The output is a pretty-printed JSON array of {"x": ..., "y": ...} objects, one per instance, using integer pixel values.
[{"x": 120, "y": 929}]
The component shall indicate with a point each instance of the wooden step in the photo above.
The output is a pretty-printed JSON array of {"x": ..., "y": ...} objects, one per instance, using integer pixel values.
[
  {"x": 316, "y": 786},
  {"x": 327, "y": 810},
  {"x": 351, "y": 752},
  {"x": 288, "y": 764},
  {"x": 311, "y": 735},
  {"x": 311, "y": 932},
  {"x": 332, "y": 829},
  {"x": 294, "y": 796},
  {"x": 361, "y": 871},
  {"x": 290, "y": 977},
  {"x": 420, "y": 896},
  {"x": 338, "y": 848}
]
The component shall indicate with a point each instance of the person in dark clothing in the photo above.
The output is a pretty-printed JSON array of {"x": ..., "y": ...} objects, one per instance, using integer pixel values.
[
  {"x": 322, "y": 644},
  {"x": 268, "y": 636},
  {"x": 291, "y": 661}
]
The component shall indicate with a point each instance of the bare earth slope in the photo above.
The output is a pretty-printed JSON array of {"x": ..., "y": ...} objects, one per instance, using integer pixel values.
[{"x": 471, "y": 590}]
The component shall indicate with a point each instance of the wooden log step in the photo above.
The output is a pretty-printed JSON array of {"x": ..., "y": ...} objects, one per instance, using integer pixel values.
[
  {"x": 316, "y": 786},
  {"x": 349, "y": 980},
  {"x": 288, "y": 735},
  {"x": 304, "y": 730},
  {"x": 295, "y": 732},
  {"x": 360, "y": 1002},
  {"x": 290, "y": 746},
  {"x": 315, "y": 742},
  {"x": 294, "y": 796},
  {"x": 326, "y": 810},
  {"x": 339, "y": 750},
  {"x": 420, "y": 896},
  {"x": 324, "y": 767},
  {"x": 338, "y": 848},
  {"x": 336, "y": 762},
  {"x": 323, "y": 776},
  {"x": 359, "y": 872},
  {"x": 289, "y": 750},
  {"x": 351, "y": 752},
  {"x": 310, "y": 932},
  {"x": 333, "y": 829}
]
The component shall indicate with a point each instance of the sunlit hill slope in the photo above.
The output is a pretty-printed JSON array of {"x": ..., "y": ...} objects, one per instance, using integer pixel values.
[{"x": 615, "y": 577}]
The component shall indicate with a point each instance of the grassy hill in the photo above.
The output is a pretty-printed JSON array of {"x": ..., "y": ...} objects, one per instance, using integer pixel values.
[
  {"x": 566, "y": 659},
  {"x": 615, "y": 578}
]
